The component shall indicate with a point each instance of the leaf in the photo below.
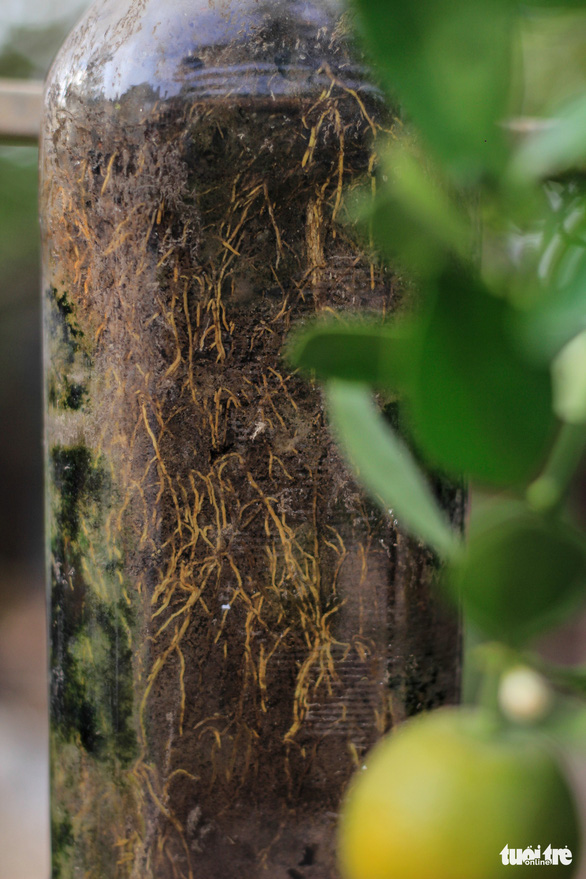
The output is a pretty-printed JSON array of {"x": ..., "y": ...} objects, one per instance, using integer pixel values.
[
  {"x": 554, "y": 63},
  {"x": 572, "y": 679},
  {"x": 385, "y": 466},
  {"x": 520, "y": 574},
  {"x": 450, "y": 64},
  {"x": 558, "y": 319},
  {"x": 355, "y": 350},
  {"x": 418, "y": 189},
  {"x": 567, "y": 726},
  {"x": 558, "y": 312},
  {"x": 477, "y": 406},
  {"x": 564, "y": 5},
  {"x": 559, "y": 145},
  {"x": 414, "y": 219},
  {"x": 569, "y": 381}
]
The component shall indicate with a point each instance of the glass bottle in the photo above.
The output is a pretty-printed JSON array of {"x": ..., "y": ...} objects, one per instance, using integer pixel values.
[{"x": 233, "y": 623}]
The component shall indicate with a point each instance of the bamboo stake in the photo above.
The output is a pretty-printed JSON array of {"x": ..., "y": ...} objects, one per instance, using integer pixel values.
[{"x": 20, "y": 110}]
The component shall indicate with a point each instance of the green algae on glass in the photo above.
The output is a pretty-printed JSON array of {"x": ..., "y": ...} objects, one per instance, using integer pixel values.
[
  {"x": 69, "y": 360},
  {"x": 92, "y": 700}
]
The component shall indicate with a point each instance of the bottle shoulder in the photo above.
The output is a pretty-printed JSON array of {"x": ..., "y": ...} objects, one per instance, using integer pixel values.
[{"x": 203, "y": 49}]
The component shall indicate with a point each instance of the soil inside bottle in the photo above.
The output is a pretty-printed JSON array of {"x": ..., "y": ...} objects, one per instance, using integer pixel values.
[{"x": 234, "y": 624}]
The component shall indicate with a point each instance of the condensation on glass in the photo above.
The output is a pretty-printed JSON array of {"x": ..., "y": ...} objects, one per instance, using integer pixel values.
[{"x": 233, "y": 624}]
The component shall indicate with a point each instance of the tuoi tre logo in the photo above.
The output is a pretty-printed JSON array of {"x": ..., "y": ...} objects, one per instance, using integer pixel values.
[{"x": 533, "y": 856}]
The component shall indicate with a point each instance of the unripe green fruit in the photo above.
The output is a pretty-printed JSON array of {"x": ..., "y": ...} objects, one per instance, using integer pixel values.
[{"x": 520, "y": 574}]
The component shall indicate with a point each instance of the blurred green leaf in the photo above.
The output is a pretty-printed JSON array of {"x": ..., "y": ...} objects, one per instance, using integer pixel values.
[
  {"x": 552, "y": 54},
  {"x": 385, "y": 465},
  {"x": 414, "y": 219},
  {"x": 567, "y": 725},
  {"x": 357, "y": 351},
  {"x": 520, "y": 574},
  {"x": 569, "y": 381},
  {"x": 558, "y": 311},
  {"x": 549, "y": 490},
  {"x": 477, "y": 406},
  {"x": 563, "y": 318},
  {"x": 399, "y": 237},
  {"x": 417, "y": 188},
  {"x": 450, "y": 65},
  {"x": 573, "y": 679},
  {"x": 559, "y": 145},
  {"x": 563, "y": 5}
]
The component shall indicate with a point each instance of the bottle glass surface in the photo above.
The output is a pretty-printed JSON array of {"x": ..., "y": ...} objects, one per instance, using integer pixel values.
[{"x": 233, "y": 623}]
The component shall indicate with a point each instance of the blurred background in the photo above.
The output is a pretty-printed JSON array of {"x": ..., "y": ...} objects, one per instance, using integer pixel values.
[{"x": 30, "y": 34}]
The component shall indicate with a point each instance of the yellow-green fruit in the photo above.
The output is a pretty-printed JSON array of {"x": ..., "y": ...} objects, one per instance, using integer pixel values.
[{"x": 444, "y": 795}]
